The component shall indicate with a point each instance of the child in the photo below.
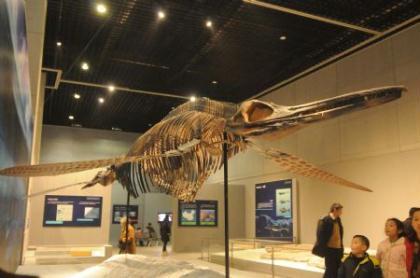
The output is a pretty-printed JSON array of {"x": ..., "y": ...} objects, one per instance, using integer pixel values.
[
  {"x": 413, "y": 246},
  {"x": 392, "y": 252},
  {"x": 359, "y": 264}
]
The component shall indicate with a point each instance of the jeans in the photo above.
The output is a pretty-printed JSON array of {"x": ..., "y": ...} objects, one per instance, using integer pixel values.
[{"x": 332, "y": 262}]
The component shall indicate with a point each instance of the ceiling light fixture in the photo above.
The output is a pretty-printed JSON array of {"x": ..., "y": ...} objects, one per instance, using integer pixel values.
[
  {"x": 209, "y": 24},
  {"x": 192, "y": 98},
  {"x": 161, "y": 15},
  {"x": 71, "y": 117},
  {"x": 85, "y": 66},
  {"x": 101, "y": 100},
  {"x": 101, "y": 8},
  {"x": 59, "y": 44},
  {"x": 111, "y": 88},
  {"x": 283, "y": 38},
  {"x": 76, "y": 96}
]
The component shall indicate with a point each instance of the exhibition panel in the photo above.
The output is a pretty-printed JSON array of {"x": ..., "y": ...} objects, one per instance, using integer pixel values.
[{"x": 16, "y": 128}]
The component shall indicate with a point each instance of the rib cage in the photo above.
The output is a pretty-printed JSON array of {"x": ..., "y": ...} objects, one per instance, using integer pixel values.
[{"x": 181, "y": 176}]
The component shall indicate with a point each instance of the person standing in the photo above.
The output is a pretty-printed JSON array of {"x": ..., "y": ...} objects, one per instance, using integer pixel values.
[
  {"x": 329, "y": 243},
  {"x": 391, "y": 252},
  {"x": 413, "y": 246},
  {"x": 127, "y": 242},
  {"x": 165, "y": 233}
]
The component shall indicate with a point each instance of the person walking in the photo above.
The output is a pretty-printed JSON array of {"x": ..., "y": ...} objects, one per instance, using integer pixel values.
[{"x": 165, "y": 233}]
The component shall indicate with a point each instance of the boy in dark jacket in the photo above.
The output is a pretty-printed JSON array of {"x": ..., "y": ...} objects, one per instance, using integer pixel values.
[{"x": 359, "y": 264}]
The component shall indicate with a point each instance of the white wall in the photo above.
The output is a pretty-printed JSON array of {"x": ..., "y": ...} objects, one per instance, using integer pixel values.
[
  {"x": 378, "y": 148},
  {"x": 71, "y": 144}
]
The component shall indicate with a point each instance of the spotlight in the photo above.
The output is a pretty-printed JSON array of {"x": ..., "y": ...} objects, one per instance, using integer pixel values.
[
  {"x": 283, "y": 38},
  {"x": 214, "y": 82},
  {"x": 209, "y": 24},
  {"x": 111, "y": 88},
  {"x": 101, "y": 100},
  {"x": 59, "y": 44},
  {"x": 85, "y": 66},
  {"x": 101, "y": 8},
  {"x": 71, "y": 117},
  {"x": 76, "y": 96},
  {"x": 161, "y": 15},
  {"x": 192, "y": 99}
]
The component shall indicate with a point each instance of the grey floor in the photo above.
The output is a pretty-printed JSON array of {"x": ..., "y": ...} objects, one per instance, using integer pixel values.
[{"x": 69, "y": 270}]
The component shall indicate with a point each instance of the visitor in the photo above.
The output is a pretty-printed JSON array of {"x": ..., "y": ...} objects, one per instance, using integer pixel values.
[
  {"x": 391, "y": 252},
  {"x": 407, "y": 222},
  {"x": 127, "y": 244},
  {"x": 152, "y": 232},
  {"x": 165, "y": 232},
  {"x": 413, "y": 246},
  {"x": 139, "y": 236},
  {"x": 358, "y": 264},
  {"x": 329, "y": 243}
]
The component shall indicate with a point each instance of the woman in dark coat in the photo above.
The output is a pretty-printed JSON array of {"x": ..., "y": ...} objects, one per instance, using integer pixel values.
[{"x": 165, "y": 233}]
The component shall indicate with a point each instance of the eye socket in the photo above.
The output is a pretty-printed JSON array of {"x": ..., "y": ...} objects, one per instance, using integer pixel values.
[{"x": 258, "y": 111}]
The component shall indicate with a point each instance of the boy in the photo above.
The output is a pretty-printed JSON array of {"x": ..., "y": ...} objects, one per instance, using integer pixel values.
[{"x": 359, "y": 264}]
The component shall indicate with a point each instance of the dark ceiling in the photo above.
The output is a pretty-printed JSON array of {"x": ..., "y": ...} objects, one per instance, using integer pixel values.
[{"x": 243, "y": 52}]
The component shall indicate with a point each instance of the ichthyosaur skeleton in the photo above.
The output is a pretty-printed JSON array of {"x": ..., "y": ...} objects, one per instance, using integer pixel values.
[{"x": 180, "y": 152}]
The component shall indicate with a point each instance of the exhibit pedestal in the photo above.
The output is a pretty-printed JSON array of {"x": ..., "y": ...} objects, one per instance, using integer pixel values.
[
  {"x": 49, "y": 255},
  {"x": 251, "y": 260}
]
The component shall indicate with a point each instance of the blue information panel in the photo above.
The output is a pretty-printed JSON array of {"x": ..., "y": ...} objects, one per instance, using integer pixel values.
[
  {"x": 77, "y": 211},
  {"x": 274, "y": 210},
  {"x": 119, "y": 211},
  {"x": 201, "y": 213}
]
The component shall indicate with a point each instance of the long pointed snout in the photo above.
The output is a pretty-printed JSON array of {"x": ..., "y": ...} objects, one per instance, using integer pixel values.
[{"x": 258, "y": 118}]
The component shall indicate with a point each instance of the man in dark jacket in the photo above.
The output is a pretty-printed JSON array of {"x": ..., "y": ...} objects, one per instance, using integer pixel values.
[
  {"x": 329, "y": 243},
  {"x": 359, "y": 264},
  {"x": 165, "y": 233}
]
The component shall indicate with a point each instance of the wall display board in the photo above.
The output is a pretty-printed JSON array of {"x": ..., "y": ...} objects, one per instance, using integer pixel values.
[
  {"x": 202, "y": 213},
  {"x": 76, "y": 211},
  {"x": 276, "y": 210},
  {"x": 119, "y": 211}
]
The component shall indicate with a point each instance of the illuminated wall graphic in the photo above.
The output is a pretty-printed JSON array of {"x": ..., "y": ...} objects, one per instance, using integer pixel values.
[{"x": 15, "y": 128}]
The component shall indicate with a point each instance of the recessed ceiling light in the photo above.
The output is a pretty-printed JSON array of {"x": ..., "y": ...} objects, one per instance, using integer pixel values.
[
  {"x": 209, "y": 24},
  {"x": 101, "y": 100},
  {"x": 111, "y": 88},
  {"x": 76, "y": 96},
  {"x": 85, "y": 66},
  {"x": 59, "y": 44},
  {"x": 283, "y": 38},
  {"x": 71, "y": 117},
  {"x": 192, "y": 98},
  {"x": 101, "y": 8},
  {"x": 214, "y": 82},
  {"x": 161, "y": 15}
]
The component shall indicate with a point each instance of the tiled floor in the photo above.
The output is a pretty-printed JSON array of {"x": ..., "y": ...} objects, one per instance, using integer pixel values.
[{"x": 66, "y": 271}]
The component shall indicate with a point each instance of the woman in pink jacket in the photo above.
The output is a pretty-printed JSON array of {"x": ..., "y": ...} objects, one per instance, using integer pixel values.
[{"x": 392, "y": 251}]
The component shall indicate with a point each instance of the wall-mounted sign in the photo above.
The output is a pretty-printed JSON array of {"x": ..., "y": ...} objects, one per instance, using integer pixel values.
[
  {"x": 275, "y": 210},
  {"x": 79, "y": 211},
  {"x": 199, "y": 213},
  {"x": 119, "y": 211}
]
